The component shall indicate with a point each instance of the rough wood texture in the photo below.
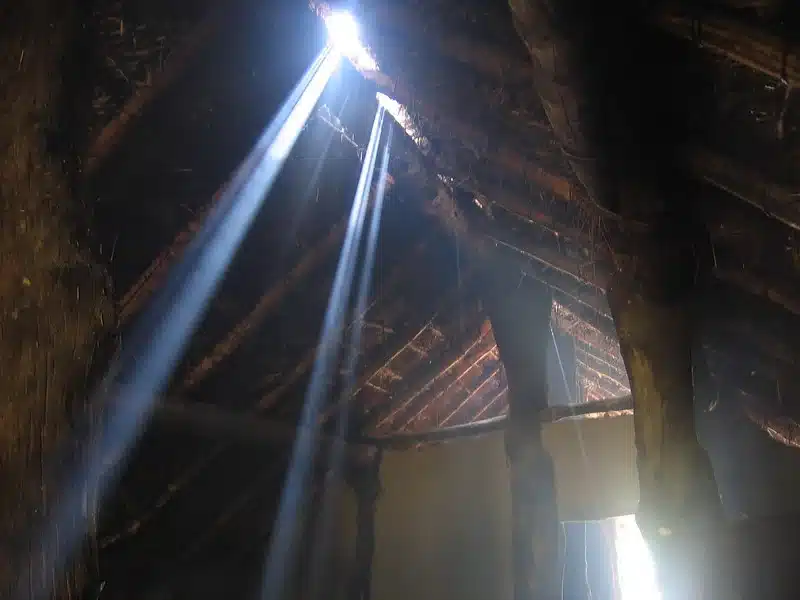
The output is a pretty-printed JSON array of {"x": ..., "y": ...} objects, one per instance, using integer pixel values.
[
  {"x": 745, "y": 45},
  {"x": 591, "y": 111},
  {"x": 54, "y": 299},
  {"x": 365, "y": 482},
  {"x": 521, "y": 323},
  {"x": 154, "y": 275},
  {"x": 110, "y": 136},
  {"x": 679, "y": 504},
  {"x": 266, "y": 303},
  {"x": 568, "y": 76}
]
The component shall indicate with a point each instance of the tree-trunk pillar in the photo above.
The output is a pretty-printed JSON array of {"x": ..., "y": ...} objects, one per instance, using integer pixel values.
[
  {"x": 364, "y": 480},
  {"x": 679, "y": 507},
  {"x": 520, "y": 316},
  {"x": 55, "y": 304}
]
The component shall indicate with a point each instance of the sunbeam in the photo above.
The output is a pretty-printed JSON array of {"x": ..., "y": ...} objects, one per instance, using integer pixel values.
[
  {"x": 158, "y": 340},
  {"x": 335, "y": 458},
  {"x": 295, "y": 491}
]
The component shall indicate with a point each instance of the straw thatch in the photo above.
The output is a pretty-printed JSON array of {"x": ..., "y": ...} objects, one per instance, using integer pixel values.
[{"x": 54, "y": 301}]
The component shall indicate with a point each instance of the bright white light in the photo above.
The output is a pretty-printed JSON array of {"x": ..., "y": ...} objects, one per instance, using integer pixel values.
[
  {"x": 344, "y": 35},
  {"x": 635, "y": 569},
  {"x": 400, "y": 114}
]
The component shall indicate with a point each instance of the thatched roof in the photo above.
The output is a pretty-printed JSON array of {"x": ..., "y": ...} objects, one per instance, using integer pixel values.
[{"x": 428, "y": 358}]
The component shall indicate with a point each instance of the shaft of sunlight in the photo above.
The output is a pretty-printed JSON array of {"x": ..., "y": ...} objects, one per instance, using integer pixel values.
[
  {"x": 295, "y": 490},
  {"x": 365, "y": 280},
  {"x": 635, "y": 567},
  {"x": 335, "y": 458},
  {"x": 158, "y": 340}
]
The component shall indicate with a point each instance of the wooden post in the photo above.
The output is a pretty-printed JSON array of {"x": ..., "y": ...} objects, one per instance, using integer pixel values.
[
  {"x": 679, "y": 508},
  {"x": 520, "y": 315},
  {"x": 364, "y": 479}
]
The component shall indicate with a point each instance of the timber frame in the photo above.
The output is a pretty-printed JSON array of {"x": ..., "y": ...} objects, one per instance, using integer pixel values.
[{"x": 655, "y": 286}]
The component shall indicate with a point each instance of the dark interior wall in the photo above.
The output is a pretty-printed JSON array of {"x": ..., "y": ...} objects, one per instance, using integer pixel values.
[{"x": 443, "y": 520}]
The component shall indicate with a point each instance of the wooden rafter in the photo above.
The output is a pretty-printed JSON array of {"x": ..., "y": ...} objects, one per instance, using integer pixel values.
[
  {"x": 462, "y": 382},
  {"x": 738, "y": 42},
  {"x": 154, "y": 275},
  {"x": 110, "y": 136},
  {"x": 743, "y": 44},
  {"x": 271, "y": 398},
  {"x": 265, "y": 305},
  {"x": 228, "y": 426},
  {"x": 471, "y": 394},
  {"x": 438, "y": 367},
  {"x": 405, "y": 336}
]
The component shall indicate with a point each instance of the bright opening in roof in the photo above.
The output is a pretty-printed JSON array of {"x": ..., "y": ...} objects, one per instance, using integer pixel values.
[
  {"x": 635, "y": 568},
  {"x": 345, "y": 37},
  {"x": 400, "y": 114}
]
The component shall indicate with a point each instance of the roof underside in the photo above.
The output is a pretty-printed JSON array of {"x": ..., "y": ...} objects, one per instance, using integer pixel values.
[{"x": 427, "y": 357}]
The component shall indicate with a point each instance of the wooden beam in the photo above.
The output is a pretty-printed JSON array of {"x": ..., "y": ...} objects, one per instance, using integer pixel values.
[
  {"x": 207, "y": 419},
  {"x": 534, "y": 211},
  {"x": 438, "y": 366},
  {"x": 365, "y": 482},
  {"x": 268, "y": 302},
  {"x": 303, "y": 366},
  {"x": 736, "y": 41},
  {"x": 461, "y": 381},
  {"x": 110, "y": 136},
  {"x": 193, "y": 470},
  {"x": 521, "y": 324},
  {"x": 736, "y": 179},
  {"x": 679, "y": 507},
  {"x": 616, "y": 379},
  {"x": 260, "y": 486},
  {"x": 249, "y": 429},
  {"x": 729, "y": 311},
  {"x": 486, "y": 59},
  {"x": 406, "y": 335},
  {"x": 612, "y": 362},
  {"x": 743, "y": 183},
  {"x": 471, "y": 393},
  {"x": 503, "y": 155},
  {"x": 591, "y": 272},
  {"x": 772, "y": 291},
  {"x": 154, "y": 275}
]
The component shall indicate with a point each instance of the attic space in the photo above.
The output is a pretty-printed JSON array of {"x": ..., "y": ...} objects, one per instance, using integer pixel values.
[{"x": 399, "y": 299}]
